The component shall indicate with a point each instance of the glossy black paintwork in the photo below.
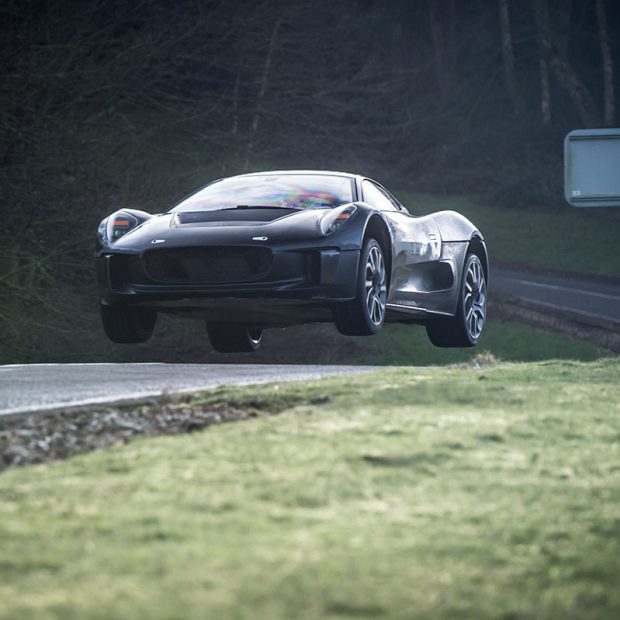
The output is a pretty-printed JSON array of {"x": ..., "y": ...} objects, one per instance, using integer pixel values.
[{"x": 426, "y": 257}]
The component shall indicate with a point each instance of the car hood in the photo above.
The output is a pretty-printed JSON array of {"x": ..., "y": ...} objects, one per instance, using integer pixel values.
[{"x": 175, "y": 230}]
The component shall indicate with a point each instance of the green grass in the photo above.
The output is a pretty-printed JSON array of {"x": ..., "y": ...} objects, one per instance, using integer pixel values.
[
  {"x": 568, "y": 240},
  {"x": 409, "y": 345},
  {"x": 426, "y": 493}
]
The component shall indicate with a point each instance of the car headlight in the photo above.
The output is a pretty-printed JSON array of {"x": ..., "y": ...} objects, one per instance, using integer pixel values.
[
  {"x": 335, "y": 218},
  {"x": 115, "y": 226},
  {"x": 119, "y": 224}
]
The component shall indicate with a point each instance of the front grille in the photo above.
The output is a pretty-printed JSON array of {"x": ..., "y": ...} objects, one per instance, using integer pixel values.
[{"x": 210, "y": 265}]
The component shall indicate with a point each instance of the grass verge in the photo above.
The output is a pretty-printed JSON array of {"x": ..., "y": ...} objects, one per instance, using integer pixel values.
[
  {"x": 428, "y": 493},
  {"x": 506, "y": 340}
]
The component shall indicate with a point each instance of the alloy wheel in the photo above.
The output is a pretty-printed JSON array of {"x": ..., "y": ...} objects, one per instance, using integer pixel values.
[
  {"x": 475, "y": 299},
  {"x": 376, "y": 288}
]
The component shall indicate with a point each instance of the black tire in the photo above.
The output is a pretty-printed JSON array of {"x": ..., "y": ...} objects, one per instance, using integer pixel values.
[
  {"x": 463, "y": 329},
  {"x": 234, "y": 338},
  {"x": 364, "y": 315},
  {"x": 127, "y": 324}
]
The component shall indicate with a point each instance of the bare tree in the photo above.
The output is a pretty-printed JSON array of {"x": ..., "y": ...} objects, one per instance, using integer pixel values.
[
  {"x": 541, "y": 14},
  {"x": 508, "y": 56},
  {"x": 261, "y": 91},
  {"x": 438, "y": 45},
  {"x": 553, "y": 59},
  {"x": 570, "y": 81},
  {"x": 608, "y": 68}
]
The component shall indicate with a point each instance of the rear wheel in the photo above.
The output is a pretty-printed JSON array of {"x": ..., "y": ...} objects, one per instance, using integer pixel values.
[
  {"x": 234, "y": 338},
  {"x": 128, "y": 324},
  {"x": 364, "y": 315},
  {"x": 464, "y": 329}
]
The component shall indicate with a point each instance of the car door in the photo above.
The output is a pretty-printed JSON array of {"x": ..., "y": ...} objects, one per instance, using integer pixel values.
[{"x": 417, "y": 248}]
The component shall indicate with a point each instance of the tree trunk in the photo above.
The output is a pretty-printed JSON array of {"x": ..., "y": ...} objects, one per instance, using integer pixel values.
[
  {"x": 443, "y": 35},
  {"x": 541, "y": 15},
  {"x": 608, "y": 67},
  {"x": 508, "y": 56},
  {"x": 545, "y": 92},
  {"x": 552, "y": 59},
  {"x": 562, "y": 21},
  {"x": 452, "y": 42},
  {"x": 438, "y": 46},
  {"x": 577, "y": 90},
  {"x": 235, "y": 105},
  {"x": 261, "y": 92}
]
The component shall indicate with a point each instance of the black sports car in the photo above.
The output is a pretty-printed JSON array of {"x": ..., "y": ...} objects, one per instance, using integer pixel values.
[{"x": 273, "y": 249}]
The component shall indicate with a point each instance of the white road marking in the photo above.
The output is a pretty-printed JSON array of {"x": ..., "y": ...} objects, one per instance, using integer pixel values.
[
  {"x": 562, "y": 288},
  {"x": 572, "y": 311}
]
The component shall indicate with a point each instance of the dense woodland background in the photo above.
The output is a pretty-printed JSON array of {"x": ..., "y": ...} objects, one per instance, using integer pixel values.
[{"x": 109, "y": 103}]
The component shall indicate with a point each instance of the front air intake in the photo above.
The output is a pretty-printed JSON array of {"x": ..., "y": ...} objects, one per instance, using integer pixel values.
[{"x": 207, "y": 265}]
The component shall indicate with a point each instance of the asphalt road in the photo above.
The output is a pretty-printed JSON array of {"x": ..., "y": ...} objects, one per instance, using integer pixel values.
[
  {"x": 593, "y": 302},
  {"x": 48, "y": 387}
]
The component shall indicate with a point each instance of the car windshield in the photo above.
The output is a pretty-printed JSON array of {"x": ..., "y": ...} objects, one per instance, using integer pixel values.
[{"x": 288, "y": 191}]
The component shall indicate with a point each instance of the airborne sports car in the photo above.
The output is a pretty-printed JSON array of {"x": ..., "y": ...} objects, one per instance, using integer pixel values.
[{"x": 274, "y": 249}]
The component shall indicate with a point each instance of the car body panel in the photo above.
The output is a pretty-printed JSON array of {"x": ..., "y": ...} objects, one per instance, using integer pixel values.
[
  {"x": 308, "y": 271},
  {"x": 429, "y": 253}
]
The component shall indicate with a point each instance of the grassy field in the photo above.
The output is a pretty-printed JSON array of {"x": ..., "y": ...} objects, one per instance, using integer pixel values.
[
  {"x": 416, "y": 493},
  {"x": 509, "y": 341},
  {"x": 567, "y": 240}
]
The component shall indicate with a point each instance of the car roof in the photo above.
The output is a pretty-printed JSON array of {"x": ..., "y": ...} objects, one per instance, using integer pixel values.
[{"x": 313, "y": 172}]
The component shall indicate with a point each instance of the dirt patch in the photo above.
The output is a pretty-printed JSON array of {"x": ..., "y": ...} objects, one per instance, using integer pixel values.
[
  {"x": 45, "y": 438},
  {"x": 484, "y": 359}
]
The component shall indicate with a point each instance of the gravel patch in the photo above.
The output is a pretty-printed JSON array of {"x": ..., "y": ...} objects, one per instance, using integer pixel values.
[{"x": 45, "y": 438}]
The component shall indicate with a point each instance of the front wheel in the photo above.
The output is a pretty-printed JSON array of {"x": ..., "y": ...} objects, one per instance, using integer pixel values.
[
  {"x": 364, "y": 315},
  {"x": 464, "y": 329},
  {"x": 234, "y": 338},
  {"x": 127, "y": 324}
]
